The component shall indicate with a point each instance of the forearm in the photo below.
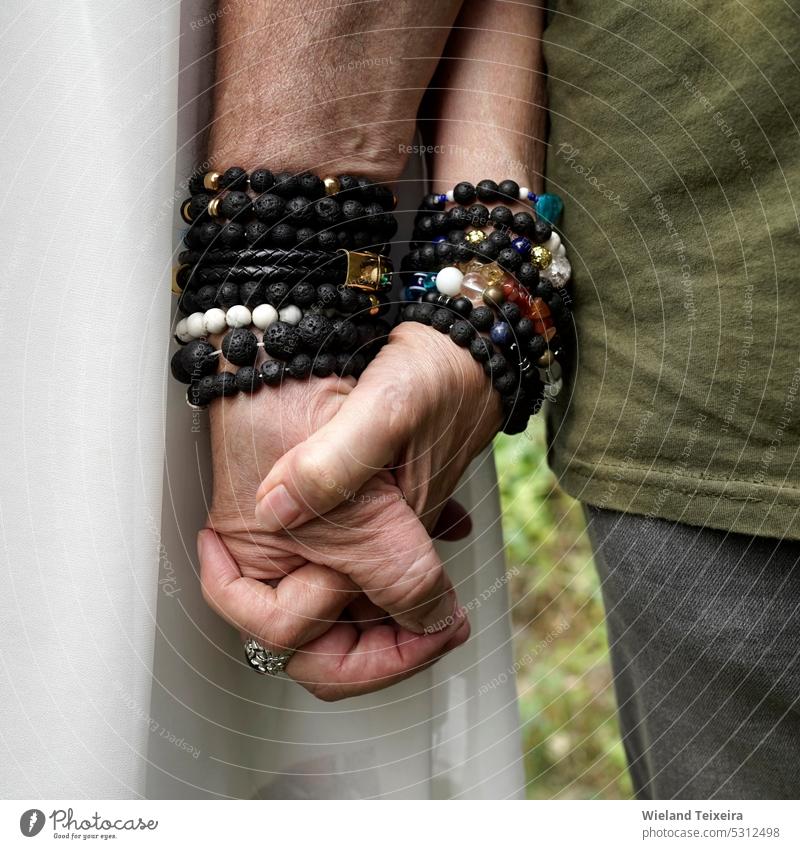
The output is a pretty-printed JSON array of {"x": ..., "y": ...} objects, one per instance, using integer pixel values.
[
  {"x": 306, "y": 85},
  {"x": 488, "y": 106}
]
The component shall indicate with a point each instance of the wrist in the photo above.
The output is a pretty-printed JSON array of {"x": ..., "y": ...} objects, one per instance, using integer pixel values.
[
  {"x": 303, "y": 146},
  {"x": 446, "y": 375}
]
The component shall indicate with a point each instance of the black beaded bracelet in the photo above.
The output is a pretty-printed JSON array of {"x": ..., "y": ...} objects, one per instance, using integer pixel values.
[
  {"x": 280, "y": 264},
  {"x": 317, "y": 345},
  {"x": 287, "y": 210}
]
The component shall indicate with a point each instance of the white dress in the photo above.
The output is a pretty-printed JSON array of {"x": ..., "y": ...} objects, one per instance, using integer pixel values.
[{"x": 116, "y": 681}]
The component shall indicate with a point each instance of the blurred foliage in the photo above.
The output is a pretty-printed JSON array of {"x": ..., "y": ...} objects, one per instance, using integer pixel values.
[{"x": 570, "y": 732}]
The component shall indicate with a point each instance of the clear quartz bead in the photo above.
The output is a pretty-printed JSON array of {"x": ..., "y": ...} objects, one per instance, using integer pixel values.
[
  {"x": 473, "y": 285},
  {"x": 558, "y": 272}
]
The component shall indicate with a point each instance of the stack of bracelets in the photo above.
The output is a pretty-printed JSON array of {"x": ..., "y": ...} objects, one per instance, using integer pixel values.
[
  {"x": 495, "y": 281},
  {"x": 299, "y": 259},
  {"x": 297, "y": 266}
]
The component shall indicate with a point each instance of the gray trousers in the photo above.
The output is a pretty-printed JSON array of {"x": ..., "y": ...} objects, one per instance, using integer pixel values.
[{"x": 704, "y": 630}]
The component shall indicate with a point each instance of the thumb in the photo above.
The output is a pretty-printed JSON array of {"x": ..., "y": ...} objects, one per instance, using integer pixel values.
[{"x": 332, "y": 465}]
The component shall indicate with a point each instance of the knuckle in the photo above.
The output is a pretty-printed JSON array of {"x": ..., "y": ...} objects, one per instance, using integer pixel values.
[
  {"x": 418, "y": 583},
  {"x": 324, "y": 692},
  {"x": 313, "y": 473}
]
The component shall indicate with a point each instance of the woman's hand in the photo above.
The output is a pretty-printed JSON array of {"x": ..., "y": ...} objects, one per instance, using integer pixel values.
[
  {"x": 423, "y": 407},
  {"x": 338, "y": 659}
]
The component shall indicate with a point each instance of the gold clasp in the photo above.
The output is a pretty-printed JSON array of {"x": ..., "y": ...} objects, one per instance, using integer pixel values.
[{"x": 368, "y": 271}]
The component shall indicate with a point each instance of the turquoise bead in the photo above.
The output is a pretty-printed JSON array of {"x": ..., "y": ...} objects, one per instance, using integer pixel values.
[
  {"x": 429, "y": 281},
  {"x": 550, "y": 207}
]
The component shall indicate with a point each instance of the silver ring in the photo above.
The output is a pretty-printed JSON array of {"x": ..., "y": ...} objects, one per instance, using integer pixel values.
[{"x": 264, "y": 661}]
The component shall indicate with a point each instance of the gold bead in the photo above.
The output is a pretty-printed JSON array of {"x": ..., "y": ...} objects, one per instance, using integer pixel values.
[
  {"x": 185, "y": 212},
  {"x": 493, "y": 296},
  {"x": 176, "y": 289},
  {"x": 492, "y": 273},
  {"x": 332, "y": 185},
  {"x": 475, "y": 237},
  {"x": 211, "y": 181},
  {"x": 375, "y": 307},
  {"x": 213, "y": 207},
  {"x": 546, "y": 359},
  {"x": 541, "y": 256}
]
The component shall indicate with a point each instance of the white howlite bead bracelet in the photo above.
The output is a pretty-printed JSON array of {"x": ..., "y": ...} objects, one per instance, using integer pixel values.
[{"x": 199, "y": 325}]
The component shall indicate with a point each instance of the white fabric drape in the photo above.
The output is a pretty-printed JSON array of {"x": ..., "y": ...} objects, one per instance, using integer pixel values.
[{"x": 116, "y": 680}]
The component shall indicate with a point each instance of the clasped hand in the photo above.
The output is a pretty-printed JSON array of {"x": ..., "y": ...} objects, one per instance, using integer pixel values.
[{"x": 326, "y": 496}]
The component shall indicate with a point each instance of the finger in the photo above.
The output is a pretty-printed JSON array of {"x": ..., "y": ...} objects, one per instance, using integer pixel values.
[
  {"x": 302, "y": 606},
  {"x": 336, "y": 461},
  {"x": 453, "y": 524},
  {"x": 386, "y": 551},
  {"x": 364, "y": 614},
  {"x": 347, "y": 662}
]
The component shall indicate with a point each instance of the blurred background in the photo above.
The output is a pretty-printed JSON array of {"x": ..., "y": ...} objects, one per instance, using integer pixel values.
[{"x": 570, "y": 733}]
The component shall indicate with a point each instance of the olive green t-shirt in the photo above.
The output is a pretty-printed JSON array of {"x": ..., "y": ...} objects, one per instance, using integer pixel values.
[{"x": 675, "y": 144}]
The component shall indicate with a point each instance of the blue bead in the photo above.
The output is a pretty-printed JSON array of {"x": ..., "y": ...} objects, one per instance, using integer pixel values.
[
  {"x": 521, "y": 246},
  {"x": 414, "y": 293},
  {"x": 533, "y": 197},
  {"x": 439, "y": 239},
  {"x": 442, "y": 198},
  {"x": 500, "y": 333},
  {"x": 429, "y": 280},
  {"x": 550, "y": 207}
]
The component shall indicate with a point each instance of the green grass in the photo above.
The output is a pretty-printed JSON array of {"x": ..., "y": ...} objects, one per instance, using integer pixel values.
[{"x": 570, "y": 733}]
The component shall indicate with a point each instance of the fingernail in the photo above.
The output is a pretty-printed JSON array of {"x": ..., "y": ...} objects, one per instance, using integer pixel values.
[
  {"x": 277, "y": 509},
  {"x": 446, "y": 614}
]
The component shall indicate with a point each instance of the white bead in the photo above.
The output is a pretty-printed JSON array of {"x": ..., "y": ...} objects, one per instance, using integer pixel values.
[
  {"x": 195, "y": 326},
  {"x": 558, "y": 272},
  {"x": 448, "y": 281},
  {"x": 182, "y": 332},
  {"x": 290, "y": 314},
  {"x": 451, "y": 196},
  {"x": 553, "y": 243},
  {"x": 264, "y": 315},
  {"x": 238, "y": 316},
  {"x": 561, "y": 251},
  {"x": 524, "y": 191},
  {"x": 214, "y": 320}
]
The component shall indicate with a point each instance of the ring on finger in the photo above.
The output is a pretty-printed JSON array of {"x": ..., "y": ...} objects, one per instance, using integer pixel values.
[{"x": 264, "y": 661}]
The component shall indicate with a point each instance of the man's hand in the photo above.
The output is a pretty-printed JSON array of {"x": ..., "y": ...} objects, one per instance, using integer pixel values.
[{"x": 423, "y": 407}]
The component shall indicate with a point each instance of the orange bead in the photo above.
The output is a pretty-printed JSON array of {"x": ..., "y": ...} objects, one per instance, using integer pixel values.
[{"x": 540, "y": 309}]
